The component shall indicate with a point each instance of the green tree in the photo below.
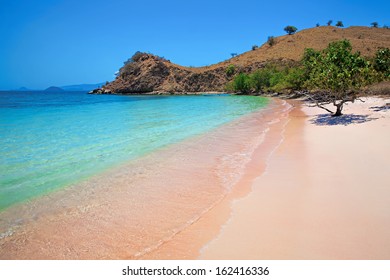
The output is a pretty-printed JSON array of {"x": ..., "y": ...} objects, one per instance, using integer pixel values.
[
  {"x": 260, "y": 79},
  {"x": 296, "y": 78},
  {"x": 374, "y": 24},
  {"x": 230, "y": 70},
  {"x": 382, "y": 61},
  {"x": 338, "y": 72},
  {"x": 290, "y": 29},
  {"x": 241, "y": 83},
  {"x": 339, "y": 24},
  {"x": 329, "y": 23}
]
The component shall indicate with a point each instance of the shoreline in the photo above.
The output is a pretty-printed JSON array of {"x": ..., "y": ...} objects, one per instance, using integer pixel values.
[
  {"x": 294, "y": 187},
  {"x": 210, "y": 225},
  {"x": 157, "y": 93},
  {"x": 132, "y": 210},
  {"x": 324, "y": 195}
]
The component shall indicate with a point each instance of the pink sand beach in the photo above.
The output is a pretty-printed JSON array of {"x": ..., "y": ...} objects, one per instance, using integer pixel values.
[
  {"x": 284, "y": 183},
  {"x": 325, "y": 193}
]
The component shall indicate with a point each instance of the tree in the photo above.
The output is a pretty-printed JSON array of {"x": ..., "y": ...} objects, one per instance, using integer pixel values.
[
  {"x": 374, "y": 24},
  {"x": 382, "y": 61},
  {"x": 271, "y": 40},
  {"x": 339, "y": 24},
  {"x": 338, "y": 72},
  {"x": 260, "y": 79},
  {"x": 290, "y": 29},
  {"x": 241, "y": 83},
  {"x": 329, "y": 23},
  {"x": 296, "y": 78},
  {"x": 230, "y": 70},
  {"x": 317, "y": 25},
  {"x": 254, "y": 47},
  {"x": 233, "y": 54}
]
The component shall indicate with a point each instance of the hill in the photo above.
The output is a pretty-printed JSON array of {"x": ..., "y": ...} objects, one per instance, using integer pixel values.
[
  {"x": 54, "y": 89},
  {"x": 82, "y": 87},
  {"x": 150, "y": 73}
]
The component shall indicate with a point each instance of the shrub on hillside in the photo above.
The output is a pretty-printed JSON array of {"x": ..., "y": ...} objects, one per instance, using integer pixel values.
[
  {"x": 259, "y": 80},
  {"x": 254, "y": 47},
  {"x": 230, "y": 70},
  {"x": 290, "y": 29},
  {"x": 296, "y": 78},
  {"x": 339, "y": 24},
  {"x": 137, "y": 56},
  {"x": 271, "y": 41},
  {"x": 382, "y": 62},
  {"x": 241, "y": 83}
]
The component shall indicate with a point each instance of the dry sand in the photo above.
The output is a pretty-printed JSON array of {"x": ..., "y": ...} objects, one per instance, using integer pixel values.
[{"x": 325, "y": 193}]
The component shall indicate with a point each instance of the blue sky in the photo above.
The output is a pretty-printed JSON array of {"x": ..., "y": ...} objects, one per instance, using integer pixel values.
[{"x": 58, "y": 42}]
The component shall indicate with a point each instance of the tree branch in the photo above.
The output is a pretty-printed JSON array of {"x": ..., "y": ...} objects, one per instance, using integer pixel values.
[
  {"x": 361, "y": 100},
  {"x": 324, "y": 108},
  {"x": 319, "y": 105}
]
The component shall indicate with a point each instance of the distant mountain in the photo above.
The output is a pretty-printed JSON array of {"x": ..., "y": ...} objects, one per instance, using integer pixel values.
[
  {"x": 54, "y": 89},
  {"x": 82, "y": 87},
  {"x": 23, "y": 89}
]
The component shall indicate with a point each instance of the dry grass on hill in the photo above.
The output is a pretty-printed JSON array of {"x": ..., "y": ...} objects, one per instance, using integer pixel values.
[
  {"x": 366, "y": 40},
  {"x": 152, "y": 74}
]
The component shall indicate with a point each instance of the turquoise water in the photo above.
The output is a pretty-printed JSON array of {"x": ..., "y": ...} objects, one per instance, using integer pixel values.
[{"x": 50, "y": 140}]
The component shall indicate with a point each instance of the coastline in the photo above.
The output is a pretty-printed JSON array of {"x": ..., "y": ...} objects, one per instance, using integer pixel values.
[
  {"x": 296, "y": 184},
  {"x": 324, "y": 195},
  {"x": 102, "y": 92},
  {"x": 189, "y": 243},
  {"x": 130, "y": 211}
]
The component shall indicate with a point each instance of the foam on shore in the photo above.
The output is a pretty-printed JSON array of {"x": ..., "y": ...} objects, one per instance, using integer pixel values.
[{"x": 135, "y": 210}]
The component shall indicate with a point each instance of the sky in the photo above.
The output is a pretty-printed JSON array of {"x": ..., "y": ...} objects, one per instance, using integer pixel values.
[{"x": 63, "y": 42}]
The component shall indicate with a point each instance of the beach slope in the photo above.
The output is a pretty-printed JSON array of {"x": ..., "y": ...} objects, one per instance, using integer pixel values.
[{"x": 324, "y": 195}]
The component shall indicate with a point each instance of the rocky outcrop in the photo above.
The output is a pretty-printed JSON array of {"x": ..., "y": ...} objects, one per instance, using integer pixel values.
[{"x": 152, "y": 74}]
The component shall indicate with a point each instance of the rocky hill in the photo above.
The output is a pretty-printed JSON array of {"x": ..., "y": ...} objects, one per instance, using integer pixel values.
[{"x": 149, "y": 73}]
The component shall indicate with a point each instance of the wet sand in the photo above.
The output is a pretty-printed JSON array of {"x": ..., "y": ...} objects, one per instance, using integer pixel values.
[
  {"x": 325, "y": 193},
  {"x": 133, "y": 210}
]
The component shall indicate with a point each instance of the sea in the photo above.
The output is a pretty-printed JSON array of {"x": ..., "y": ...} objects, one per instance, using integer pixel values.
[{"x": 50, "y": 140}]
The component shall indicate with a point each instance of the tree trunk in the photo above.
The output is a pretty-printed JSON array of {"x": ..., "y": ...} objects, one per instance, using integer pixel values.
[{"x": 339, "y": 108}]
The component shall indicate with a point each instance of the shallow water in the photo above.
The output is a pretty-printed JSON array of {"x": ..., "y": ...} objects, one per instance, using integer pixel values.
[
  {"x": 135, "y": 208},
  {"x": 51, "y": 140}
]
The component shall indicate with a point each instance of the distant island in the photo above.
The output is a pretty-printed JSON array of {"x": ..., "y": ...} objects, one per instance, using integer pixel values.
[
  {"x": 54, "y": 89},
  {"x": 82, "y": 87},
  {"x": 23, "y": 89},
  {"x": 76, "y": 87}
]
